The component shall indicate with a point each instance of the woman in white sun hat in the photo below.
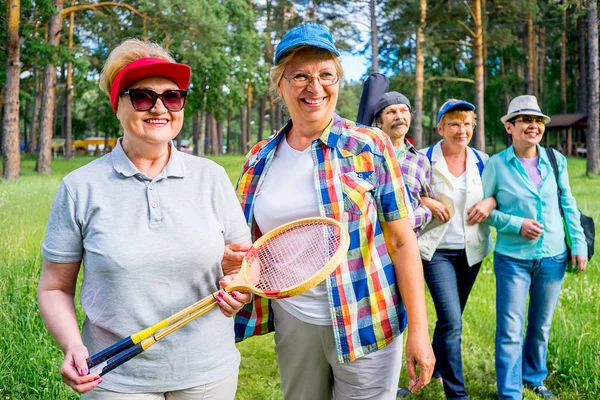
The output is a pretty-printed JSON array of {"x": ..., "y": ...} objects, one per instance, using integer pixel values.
[{"x": 530, "y": 254}]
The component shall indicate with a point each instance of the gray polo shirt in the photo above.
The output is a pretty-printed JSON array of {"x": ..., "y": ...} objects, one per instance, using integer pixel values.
[{"x": 150, "y": 247}]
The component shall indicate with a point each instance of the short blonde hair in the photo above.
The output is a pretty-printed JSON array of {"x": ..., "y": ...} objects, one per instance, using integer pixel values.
[
  {"x": 126, "y": 53},
  {"x": 278, "y": 69}
]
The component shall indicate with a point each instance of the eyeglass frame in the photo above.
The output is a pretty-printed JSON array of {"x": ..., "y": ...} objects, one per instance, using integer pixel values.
[
  {"x": 534, "y": 118},
  {"x": 311, "y": 79},
  {"x": 158, "y": 95},
  {"x": 455, "y": 126}
]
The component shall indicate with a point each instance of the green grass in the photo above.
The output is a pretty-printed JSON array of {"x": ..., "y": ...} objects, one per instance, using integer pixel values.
[{"x": 29, "y": 358}]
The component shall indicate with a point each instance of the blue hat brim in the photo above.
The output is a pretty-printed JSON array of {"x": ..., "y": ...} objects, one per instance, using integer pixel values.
[
  {"x": 321, "y": 44},
  {"x": 458, "y": 106}
]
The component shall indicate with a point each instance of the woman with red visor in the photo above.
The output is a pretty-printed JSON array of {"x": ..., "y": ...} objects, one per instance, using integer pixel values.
[{"x": 150, "y": 225}]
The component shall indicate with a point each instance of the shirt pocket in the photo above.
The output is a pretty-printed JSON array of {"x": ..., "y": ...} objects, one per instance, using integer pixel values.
[{"x": 357, "y": 188}]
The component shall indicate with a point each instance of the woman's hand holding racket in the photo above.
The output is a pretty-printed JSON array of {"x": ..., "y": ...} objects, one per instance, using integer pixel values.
[
  {"x": 231, "y": 303},
  {"x": 286, "y": 261}
]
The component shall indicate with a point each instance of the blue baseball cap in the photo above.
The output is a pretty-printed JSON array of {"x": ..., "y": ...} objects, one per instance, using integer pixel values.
[
  {"x": 307, "y": 34},
  {"x": 454, "y": 105}
]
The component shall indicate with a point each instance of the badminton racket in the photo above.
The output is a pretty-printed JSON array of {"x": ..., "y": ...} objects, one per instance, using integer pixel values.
[{"x": 284, "y": 262}]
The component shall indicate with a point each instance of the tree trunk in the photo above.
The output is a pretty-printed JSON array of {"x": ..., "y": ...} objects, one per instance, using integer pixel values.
[
  {"x": 261, "y": 116},
  {"x": 229, "y": 146},
  {"x": 249, "y": 120},
  {"x": 69, "y": 94},
  {"x": 214, "y": 138},
  {"x": 219, "y": 125},
  {"x": 48, "y": 95},
  {"x": 593, "y": 131},
  {"x": 542, "y": 67},
  {"x": 196, "y": 132},
  {"x": 479, "y": 136},
  {"x": 279, "y": 112},
  {"x": 202, "y": 137},
  {"x": 374, "y": 44},
  {"x": 36, "y": 112},
  {"x": 563, "y": 63},
  {"x": 26, "y": 123},
  {"x": 581, "y": 89},
  {"x": 419, "y": 78},
  {"x": 530, "y": 50},
  {"x": 11, "y": 152},
  {"x": 208, "y": 149},
  {"x": 243, "y": 135},
  {"x": 484, "y": 39}
]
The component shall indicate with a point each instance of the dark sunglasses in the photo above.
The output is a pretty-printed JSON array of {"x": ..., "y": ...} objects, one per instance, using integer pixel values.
[{"x": 145, "y": 99}]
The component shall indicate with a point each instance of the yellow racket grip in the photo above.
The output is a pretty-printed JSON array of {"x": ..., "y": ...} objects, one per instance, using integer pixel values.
[{"x": 143, "y": 334}]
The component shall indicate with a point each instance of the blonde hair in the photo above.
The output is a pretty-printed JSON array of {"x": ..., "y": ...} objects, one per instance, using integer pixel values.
[
  {"x": 126, "y": 53},
  {"x": 278, "y": 69},
  {"x": 458, "y": 114}
]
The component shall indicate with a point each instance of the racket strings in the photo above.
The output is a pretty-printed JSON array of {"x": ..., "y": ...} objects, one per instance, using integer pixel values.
[{"x": 293, "y": 256}]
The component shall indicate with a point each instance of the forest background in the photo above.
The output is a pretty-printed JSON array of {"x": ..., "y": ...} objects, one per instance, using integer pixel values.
[{"x": 484, "y": 51}]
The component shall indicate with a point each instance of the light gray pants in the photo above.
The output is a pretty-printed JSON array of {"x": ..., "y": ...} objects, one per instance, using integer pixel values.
[
  {"x": 309, "y": 367},
  {"x": 223, "y": 389}
]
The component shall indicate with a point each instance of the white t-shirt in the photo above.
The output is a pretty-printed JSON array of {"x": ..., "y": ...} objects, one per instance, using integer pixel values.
[
  {"x": 288, "y": 193},
  {"x": 454, "y": 238}
]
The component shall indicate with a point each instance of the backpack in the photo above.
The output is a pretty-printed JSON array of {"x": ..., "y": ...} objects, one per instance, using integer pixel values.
[
  {"x": 587, "y": 223},
  {"x": 480, "y": 164}
]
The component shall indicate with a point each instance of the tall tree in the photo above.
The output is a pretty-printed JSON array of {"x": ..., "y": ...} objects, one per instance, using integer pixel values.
[
  {"x": 531, "y": 51},
  {"x": 11, "y": 160},
  {"x": 563, "y": 62},
  {"x": 417, "y": 126},
  {"x": 44, "y": 155},
  {"x": 479, "y": 136},
  {"x": 374, "y": 37},
  {"x": 582, "y": 86},
  {"x": 69, "y": 92},
  {"x": 593, "y": 131}
]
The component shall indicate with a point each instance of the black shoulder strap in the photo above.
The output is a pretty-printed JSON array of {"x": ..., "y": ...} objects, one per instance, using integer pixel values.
[{"x": 554, "y": 163}]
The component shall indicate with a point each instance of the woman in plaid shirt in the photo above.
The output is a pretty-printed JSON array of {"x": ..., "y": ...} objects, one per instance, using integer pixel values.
[{"x": 342, "y": 338}]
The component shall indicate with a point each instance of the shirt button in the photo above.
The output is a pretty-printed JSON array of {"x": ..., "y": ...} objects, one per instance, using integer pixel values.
[
  {"x": 153, "y": 205},
  {"x": 151, "y": 187}
]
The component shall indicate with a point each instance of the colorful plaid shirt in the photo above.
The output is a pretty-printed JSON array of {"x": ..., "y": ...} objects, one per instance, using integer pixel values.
[
  {"x": 358, "y": 182},
  {"x": 416, "y": 172}
]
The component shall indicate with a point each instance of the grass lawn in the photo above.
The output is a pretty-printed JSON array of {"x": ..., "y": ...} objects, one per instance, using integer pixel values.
[{"x": 29, "y": 358}]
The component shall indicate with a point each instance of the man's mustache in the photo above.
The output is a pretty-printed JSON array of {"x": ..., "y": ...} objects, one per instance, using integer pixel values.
[{"x": 399, "y": 123}]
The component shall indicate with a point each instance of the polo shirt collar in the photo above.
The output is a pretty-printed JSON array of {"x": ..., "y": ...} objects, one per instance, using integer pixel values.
[{"x": 123, "y": 165}]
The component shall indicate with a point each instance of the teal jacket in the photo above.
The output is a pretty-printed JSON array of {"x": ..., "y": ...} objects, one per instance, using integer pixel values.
[{"x": 505, "y": 178}]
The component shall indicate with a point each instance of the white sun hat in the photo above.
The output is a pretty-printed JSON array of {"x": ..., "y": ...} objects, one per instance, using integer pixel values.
[{"x": 524, "y": 105}]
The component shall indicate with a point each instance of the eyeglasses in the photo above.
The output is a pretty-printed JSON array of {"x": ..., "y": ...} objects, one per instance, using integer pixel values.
[
  {"x": 456, "y": 126},
  {"x": 528, "y": 120},
  {"x": 145, "y": 99},
  {"x": 302, "y": 80}
]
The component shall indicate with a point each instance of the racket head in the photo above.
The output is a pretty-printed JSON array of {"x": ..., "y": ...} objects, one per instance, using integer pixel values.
[{"x": 293, "y": 258}]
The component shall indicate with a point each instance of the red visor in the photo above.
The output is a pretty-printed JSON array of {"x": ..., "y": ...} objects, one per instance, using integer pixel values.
[{"x": 145, "y": 68}]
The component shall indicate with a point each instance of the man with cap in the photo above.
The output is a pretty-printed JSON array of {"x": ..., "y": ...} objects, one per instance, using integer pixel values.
[
  {"x": 393, "y": 116},
  {"x": 530, "y": 254}
]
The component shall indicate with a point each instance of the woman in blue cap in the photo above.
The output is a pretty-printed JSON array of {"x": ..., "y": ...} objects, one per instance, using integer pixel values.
[
  {"x": 454, "y": 243},
  {"x": 530, "y": 254},
  {"x": 342, "y": 338}
]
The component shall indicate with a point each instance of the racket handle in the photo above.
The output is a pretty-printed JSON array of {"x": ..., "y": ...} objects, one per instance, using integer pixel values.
[
  {"x": 108, "y": 352},
  {"x": 114, "y": 362}
]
